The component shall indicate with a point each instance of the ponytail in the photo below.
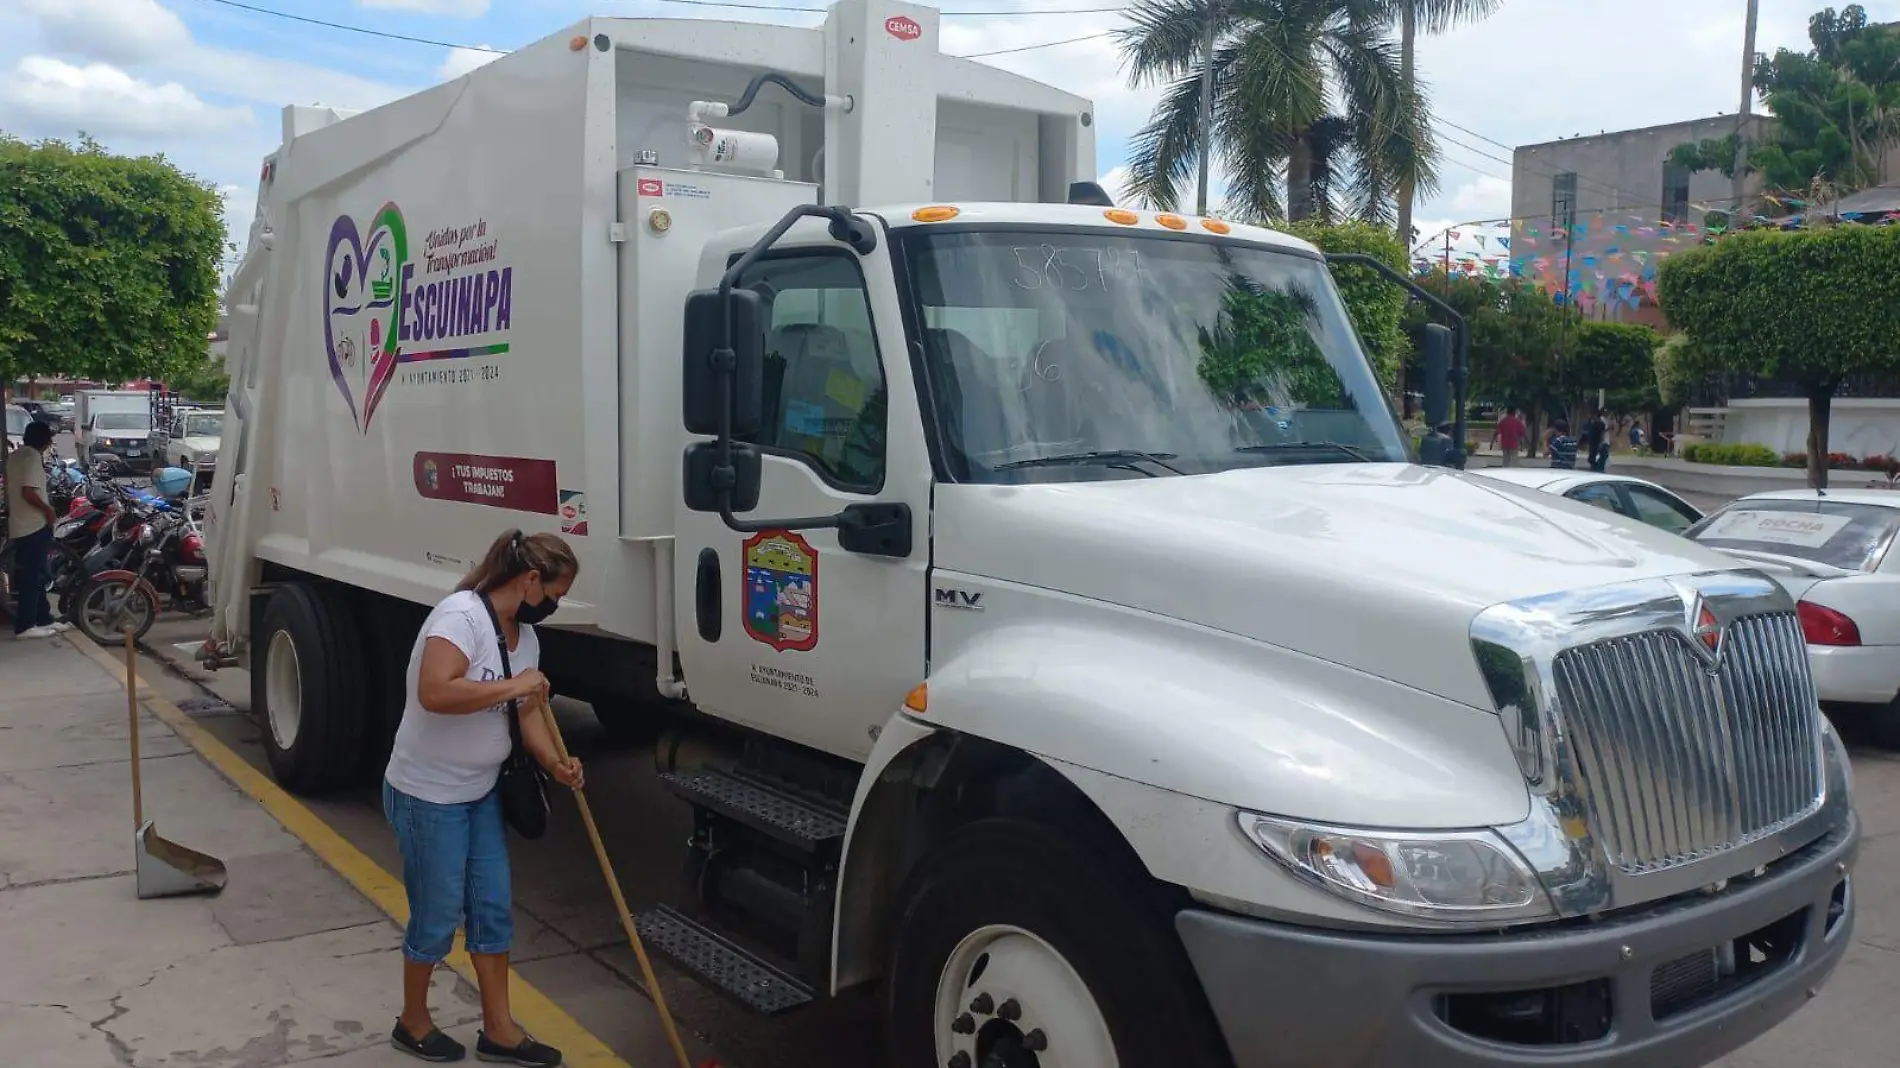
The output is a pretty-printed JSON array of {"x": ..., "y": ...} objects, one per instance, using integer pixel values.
[{"x": 514, "y": 554}]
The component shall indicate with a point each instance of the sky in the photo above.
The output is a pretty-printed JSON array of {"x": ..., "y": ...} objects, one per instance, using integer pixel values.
[{"x": 202, "y": 81}]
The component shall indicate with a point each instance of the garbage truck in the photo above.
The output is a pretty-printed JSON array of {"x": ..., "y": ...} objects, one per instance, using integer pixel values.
[{"x": 1040, "y": 606}]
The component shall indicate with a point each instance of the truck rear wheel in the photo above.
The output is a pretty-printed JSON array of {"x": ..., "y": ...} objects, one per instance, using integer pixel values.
[
  {"x": 1015, "y": 946},
  {"x": 310, "y": 690}
]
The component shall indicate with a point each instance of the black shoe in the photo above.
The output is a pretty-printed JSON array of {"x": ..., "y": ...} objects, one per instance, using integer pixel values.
[
  {"x": 530, "y": 1054},
  {"x": 435, "y": 1046}
]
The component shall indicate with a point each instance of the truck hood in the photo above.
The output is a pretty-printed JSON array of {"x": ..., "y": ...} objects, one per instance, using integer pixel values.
[
  {"x": 199, "y": 444},
  {"x": 1377, "y": 567}
]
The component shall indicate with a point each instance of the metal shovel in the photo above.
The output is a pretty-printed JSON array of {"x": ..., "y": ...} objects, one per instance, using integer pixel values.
[{"x": 163, "y": 869}]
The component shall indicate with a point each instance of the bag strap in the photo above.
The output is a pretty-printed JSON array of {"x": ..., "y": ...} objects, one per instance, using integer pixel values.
[{"x": 507, "y": 672}]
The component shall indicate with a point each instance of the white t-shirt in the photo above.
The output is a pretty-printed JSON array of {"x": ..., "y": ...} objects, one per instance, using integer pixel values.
[
  {"x": 451, "y": 760},
  {"x": 25, "y": 467}
]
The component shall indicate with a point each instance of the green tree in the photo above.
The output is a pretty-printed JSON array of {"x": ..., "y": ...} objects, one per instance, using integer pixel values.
[
  {"x": 1375, "y": 305},
  {"x": 1431, "y": 16},
  {"x": 1809, "y": 307},
  {"x": 1276, "y": 67},
  {"x": 202, "y": 380},
  {"x": 1620, "y": 360},
  {"x": 1836, "y": 110},
  {"x": 108, "y": 264}
]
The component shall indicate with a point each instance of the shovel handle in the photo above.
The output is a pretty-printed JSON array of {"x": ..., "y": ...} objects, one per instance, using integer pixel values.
[
  {"x": 620, "y": 898},
  {"x": 132, "y": 713}
]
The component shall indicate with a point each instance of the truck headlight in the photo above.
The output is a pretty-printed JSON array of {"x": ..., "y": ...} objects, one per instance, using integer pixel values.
[{"x": 1463, "y": 877}]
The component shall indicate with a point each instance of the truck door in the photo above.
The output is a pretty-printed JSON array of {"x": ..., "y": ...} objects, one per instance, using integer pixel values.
[{"x": 785, "y": 630}]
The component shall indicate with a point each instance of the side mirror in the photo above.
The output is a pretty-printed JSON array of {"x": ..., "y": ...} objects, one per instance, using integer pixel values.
[
  {"x": 1436, "y": 359},
  {"x": 713, "y": 382},
  {"x": 704, "y": 486}
]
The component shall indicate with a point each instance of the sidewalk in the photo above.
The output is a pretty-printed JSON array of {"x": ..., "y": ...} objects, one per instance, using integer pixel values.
[{"x": 290, "y": 964}]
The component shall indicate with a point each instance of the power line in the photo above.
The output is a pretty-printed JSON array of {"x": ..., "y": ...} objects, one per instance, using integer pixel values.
[
  {"x": 254, "y": 9},
  {"x": 1033, "y": 47}
]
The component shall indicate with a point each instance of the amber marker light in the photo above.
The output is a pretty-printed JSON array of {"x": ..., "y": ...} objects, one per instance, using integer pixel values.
[
  {"x": 1172, "y": 222},
  {"x": 938, "y": 213},
  {"x": 918, "y": 700},
  {"x": 1122, "y": 216},
  {"x": 1215, "y": 226}
]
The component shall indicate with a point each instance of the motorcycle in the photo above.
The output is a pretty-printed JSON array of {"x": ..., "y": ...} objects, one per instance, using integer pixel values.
[{"x": 153, "y": 559}]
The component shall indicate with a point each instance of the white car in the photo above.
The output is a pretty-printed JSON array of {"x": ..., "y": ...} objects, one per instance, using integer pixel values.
[
  {"x": 192, "y": 439},
  {"x": 1834, "y": 552},
  {"x": 1642, "y": 501}
]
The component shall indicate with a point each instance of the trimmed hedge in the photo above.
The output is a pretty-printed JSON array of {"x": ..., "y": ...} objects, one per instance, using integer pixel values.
[{"x": 1739, "y": 455}]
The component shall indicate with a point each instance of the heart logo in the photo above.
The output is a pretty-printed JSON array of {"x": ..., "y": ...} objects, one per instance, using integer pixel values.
[{"x": 363, "y": 308}]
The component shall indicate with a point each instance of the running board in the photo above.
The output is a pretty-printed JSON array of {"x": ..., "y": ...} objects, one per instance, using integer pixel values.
[
  {"x": 720, "y": 963},
  {"x": 780, "y": 816}
]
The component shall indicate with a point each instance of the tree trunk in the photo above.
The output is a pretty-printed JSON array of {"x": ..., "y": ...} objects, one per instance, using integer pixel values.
[
  {"x": 1299, "y": 179},
  {"x": 1820, "y": 409},
  {"x": 1408, "y": 39}
]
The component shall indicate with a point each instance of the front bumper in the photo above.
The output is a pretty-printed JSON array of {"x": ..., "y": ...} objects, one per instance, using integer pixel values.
[
  {"x": 1857, "y": 674},
  {"x": 1288, "y": 996}
]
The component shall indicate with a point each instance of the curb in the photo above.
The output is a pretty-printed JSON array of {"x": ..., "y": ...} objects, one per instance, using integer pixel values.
[{"x": 535, "y": 1011}]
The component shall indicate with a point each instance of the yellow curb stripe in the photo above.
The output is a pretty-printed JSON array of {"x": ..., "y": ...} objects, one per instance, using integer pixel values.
[{"x": 535, "y": 1010}]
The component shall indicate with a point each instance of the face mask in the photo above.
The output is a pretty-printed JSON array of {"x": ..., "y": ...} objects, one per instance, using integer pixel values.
[{"x": 535, "y": 613}]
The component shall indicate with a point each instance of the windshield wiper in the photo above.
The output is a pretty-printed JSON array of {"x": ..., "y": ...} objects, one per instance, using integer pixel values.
[
  {"x": 1104, "y": 457},
  {"x": 1279, "y": 446}
]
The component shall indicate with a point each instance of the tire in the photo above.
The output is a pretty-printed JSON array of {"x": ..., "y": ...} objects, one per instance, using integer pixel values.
[
  {"x": 390, "y": 629},
  {"x": 627, "y": 721},
  {"x": 1883, "y": 723},
  {"x": 1058, "y": 902},
  {"x": 309, "y": 688},
  {"x": 91, "y": 600}
]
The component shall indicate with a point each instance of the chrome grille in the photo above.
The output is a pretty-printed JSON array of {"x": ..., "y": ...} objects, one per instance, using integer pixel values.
[{"x": 1673, "y": 763}]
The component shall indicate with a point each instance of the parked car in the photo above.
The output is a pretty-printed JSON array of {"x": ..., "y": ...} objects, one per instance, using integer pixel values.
[
  {"x": 1642, "y": 501},
  {"x": 1834, "y": 553},
  {"x": 120, "y": 438},
  {"x": 17, "y": 420},
  {"x": 189, "y": 440}
]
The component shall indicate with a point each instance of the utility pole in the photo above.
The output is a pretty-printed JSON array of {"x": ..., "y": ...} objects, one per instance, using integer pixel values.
[
  {"x": 1207, "y": 106},
  {"x": 1748, "y": 105}
]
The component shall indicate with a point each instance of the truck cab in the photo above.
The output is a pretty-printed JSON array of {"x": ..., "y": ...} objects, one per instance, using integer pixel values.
[{"x": 1040, "y": 610}]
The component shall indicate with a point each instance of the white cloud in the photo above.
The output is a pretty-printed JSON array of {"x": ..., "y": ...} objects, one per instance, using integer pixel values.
[
  {"x": 460, "y": 61},
  {"x": 147, "y": 39},
  {"x": 104, "y": 100},
  {"x": 122, "y": 32},
  {"x": 467, "y": 9}
]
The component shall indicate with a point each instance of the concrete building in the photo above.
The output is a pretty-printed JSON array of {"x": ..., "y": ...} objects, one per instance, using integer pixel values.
[
  {"x": 1594, "y": 217},
  {"x": 1604, "y": 210}
]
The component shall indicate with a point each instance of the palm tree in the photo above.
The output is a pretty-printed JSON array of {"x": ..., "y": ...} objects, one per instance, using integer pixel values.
[
  {"x": 1274, "y": 73},
  {"x": 1434, "y": 16}
]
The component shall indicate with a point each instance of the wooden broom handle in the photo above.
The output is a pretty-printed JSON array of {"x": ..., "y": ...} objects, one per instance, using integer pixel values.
[
  {"x": 132, "y": 713},
  {"x": 620, "y": 899}
]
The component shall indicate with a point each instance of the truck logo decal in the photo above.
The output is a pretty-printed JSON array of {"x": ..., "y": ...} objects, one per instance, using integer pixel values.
[
  {"x": 378, "y": 314},
  {"x": 512, "y": 482},
  {"x": 903, "y": 28},
  {"x": 781, "y": 591},
  {"x": 1708, "y": 633},
  {"x": 948, "y": 597},
  {"x": 650, "y": 187},
  {"x": 363, "y": 307}
]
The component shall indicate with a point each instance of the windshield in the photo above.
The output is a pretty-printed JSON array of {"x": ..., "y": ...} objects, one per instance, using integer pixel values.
[
  {"x": 1849, "y": 536},
  {"x": 1078, "y": 355},
  {"x": 204, "y": 426},
  {"x": 16, "y": 421},
  {"x": 122, "y": 421}
]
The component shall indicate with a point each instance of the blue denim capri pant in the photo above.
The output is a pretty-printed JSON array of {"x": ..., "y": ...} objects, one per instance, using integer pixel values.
[{"x": 455, "y": 871}]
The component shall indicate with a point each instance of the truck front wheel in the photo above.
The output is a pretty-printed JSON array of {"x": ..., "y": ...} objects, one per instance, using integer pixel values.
[
  {"x": 309, "y": 690},
  {"x": 1014, "y": 946}
]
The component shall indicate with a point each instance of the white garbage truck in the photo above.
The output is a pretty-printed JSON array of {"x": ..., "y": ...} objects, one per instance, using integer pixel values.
[{"x": 1053, "y": 626}]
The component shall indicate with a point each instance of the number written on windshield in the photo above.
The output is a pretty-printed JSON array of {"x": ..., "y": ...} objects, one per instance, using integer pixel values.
[{"x": 1075, "y": 270}]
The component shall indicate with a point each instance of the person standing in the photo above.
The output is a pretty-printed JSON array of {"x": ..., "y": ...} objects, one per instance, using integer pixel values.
[
  {"x": 1596, "y": 441},
  {"x": 30, "y": 522},
  {"x": 439, "y": 789},
  {"x": 1509, "y": 436}
]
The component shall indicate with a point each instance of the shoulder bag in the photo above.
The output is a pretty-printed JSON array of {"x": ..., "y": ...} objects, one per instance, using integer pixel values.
[{"x": 523, "y": 785}]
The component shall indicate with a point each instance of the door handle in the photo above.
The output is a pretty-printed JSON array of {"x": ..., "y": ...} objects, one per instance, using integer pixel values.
[{"x": 706, "y": 598}]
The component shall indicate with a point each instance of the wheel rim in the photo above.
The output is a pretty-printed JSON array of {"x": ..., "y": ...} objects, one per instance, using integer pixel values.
[
  {"x": 283, "y": 689},
  {"x": 1008, "y": 999},
  {"x": 106, "y": 600}
]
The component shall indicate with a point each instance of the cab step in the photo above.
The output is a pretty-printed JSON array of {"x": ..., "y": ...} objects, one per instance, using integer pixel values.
[
  {"x": 720, "y": 963},
  {"x": 793, "y": 821}
]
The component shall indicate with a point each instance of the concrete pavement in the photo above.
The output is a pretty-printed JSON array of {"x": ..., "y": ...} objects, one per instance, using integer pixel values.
[{"x": 290, "y": 964}]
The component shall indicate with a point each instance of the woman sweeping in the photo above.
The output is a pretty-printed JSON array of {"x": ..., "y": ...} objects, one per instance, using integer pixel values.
[{"x": 439, "y": 790}]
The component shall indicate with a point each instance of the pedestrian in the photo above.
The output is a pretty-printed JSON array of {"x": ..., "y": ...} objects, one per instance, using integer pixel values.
[
  {"x": 1509, "y": 436},
  {"x": 439, "y": 790},
  {"x": 1636, "y": 435},
  {"x": 1562, "y": 447},
  {"x": 30, "y": 522},
  {"x": 1596, "y": 441}
]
